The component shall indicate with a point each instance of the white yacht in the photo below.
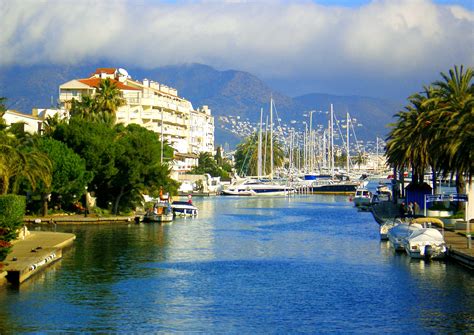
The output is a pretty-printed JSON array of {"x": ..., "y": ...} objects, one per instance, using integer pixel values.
[{"x": 257, "y": 187}]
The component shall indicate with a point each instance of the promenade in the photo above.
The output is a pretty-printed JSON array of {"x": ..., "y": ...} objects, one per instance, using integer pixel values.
[{"x": 460, "y": 248}]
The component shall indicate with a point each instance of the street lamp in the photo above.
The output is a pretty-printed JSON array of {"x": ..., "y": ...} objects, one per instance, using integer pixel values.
[{"x": 86, "y": 203}]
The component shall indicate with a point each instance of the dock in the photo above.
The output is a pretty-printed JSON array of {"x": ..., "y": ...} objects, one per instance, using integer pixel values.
[
  {"x": 32, "y": 254},
  {"x": 459, "y": 244},
  {"x": 77, "y": 219}
]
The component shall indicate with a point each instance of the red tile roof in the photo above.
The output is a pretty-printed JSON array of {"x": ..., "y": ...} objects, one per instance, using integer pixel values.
[
  {"x": 107, "y": 70},
  {"x": 94, "y": 82}
]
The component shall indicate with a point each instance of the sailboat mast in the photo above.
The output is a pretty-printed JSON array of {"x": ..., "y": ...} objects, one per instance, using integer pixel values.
[
  {"x": 259, "y": 166},
  {"x": 331, "y": 134},
  {"x": 265, "y": 148},
  {"x": 347, "y": 142},
  {"x": 271, "y": 137}
]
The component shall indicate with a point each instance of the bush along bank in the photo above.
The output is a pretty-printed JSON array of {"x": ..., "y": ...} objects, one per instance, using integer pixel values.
[{"x": 12, "y": 211}]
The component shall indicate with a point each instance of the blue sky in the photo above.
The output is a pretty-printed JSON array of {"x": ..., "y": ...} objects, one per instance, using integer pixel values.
[
  {"x": 354, "y": 3},
  {"x": 383, "y": 48}
]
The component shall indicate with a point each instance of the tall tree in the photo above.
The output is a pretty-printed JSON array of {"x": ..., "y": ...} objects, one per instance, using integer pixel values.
[
  {"x": 246, "y": 156},
  {"x": 454, "y": 117}
]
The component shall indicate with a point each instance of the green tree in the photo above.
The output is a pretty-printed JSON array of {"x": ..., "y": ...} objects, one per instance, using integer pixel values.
[
  {"x": 436, "y": 130},
  {"x": 21, "y": 162},
  {"x": 140, "y": 171},
  {"x": 454, "y": 121},
  {"x": 69, "y": 172},
  {"x": 207, "y": 164},
  {"x": 101, "y": 107},
  {"x": 246, "y": 156}
]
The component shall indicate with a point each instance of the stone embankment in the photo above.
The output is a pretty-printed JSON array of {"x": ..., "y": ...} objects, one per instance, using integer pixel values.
[{"x": 32, "y": 253}]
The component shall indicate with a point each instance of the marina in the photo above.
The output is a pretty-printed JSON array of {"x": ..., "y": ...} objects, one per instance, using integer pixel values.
[{"x": 245, "y": 264}]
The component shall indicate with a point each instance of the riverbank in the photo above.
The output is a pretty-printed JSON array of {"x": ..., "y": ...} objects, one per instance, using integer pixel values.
[{"x": 76, "y": 219}]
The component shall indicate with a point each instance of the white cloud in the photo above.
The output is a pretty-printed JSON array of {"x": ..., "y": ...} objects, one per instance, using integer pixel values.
[{"x": 390, "y": 38}]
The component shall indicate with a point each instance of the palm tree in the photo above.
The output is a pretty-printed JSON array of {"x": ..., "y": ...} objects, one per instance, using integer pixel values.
[
  {"x": 19, "y": 162},
  {"x": 108, "y": 99},
  {"x": 246, "y": 156},
  {"x": 102, "y": 107},
  {"x": 454, "y": 118}
]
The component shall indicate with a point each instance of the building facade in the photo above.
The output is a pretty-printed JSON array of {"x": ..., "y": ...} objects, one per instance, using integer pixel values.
[{"x": 154, "y": 106}]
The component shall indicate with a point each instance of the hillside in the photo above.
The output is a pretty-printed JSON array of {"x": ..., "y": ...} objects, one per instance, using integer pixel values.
[{"x": 227, "y": 93}]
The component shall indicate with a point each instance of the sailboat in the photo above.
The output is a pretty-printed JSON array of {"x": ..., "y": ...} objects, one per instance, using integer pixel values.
[
  {"x": 260, "y": 186},
  {"x": 333, "y": 184}
]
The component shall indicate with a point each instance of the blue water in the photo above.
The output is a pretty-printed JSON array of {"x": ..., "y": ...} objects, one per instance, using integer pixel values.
[{"x": 306, "y": 264}]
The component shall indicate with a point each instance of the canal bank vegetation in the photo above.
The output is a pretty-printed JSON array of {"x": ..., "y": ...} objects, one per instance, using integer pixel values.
[
  {"x": 216, "y": 166},
  {"x": 435, "y": 131},
  {"x": 12, "y": 210},
  {"x": 86, "y": 155}
]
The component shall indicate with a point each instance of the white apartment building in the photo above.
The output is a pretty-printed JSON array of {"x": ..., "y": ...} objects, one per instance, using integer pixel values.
[
  {"x": 154, "y": 106},
  {"x": 32, "y": 123}
]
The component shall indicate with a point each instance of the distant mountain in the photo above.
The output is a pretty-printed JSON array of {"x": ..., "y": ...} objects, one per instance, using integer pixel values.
[{"x": 227, "y": 93}]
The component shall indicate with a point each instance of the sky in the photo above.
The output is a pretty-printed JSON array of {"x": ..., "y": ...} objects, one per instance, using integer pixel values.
[{"x": 380, "y": 48}]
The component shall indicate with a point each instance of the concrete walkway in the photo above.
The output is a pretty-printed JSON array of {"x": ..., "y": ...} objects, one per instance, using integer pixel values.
[{"x": 34, "y": 253}]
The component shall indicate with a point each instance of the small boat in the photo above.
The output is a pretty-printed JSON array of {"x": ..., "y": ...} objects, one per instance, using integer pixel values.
[
  {"x": 161, "y": 212},
  {"x": 398, "y": 233},
  {"x": 426, "y": 243},
  {"x": 257, "y": 187},
  {"x": 362, "y": 197},
  {"x": 385, "y": 227},
  {"x": 184, "y": 208}
]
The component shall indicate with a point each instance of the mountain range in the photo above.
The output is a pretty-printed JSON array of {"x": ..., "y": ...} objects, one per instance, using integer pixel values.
[{"x": 227, "y": 93}]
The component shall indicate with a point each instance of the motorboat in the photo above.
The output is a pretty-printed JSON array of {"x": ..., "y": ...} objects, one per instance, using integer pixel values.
[
  {"x": 330, "y": 186},
  {"x": 162, "y": 212},
  {"x": 426, "y": 243},
  {"x": 184, "y": 208},
  {"x": 362, "y": 197},
  {"x": 398, "y": 233},
  {"x": 257, "y": 187},
  {"x": 385, "y": 227}
]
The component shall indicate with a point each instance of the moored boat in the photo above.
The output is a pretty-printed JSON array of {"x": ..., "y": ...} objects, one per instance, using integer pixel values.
[
  {"x": 362, "y": 197},
  {"x": 256, "y": 187},
  {"x": 161, "y": 212},
  {"x": 427, "y": 243},
  {"x": 398, "y": 233},
  {"x": 184, "y": 208}
]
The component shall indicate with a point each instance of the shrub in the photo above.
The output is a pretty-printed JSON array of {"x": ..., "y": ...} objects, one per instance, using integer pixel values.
[
  {"x": 4, "y": 249},
  {"x": 12, "y": 211}
]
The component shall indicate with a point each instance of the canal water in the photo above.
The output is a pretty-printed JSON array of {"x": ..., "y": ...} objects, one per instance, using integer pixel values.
[{"x": 305, "y": 264}]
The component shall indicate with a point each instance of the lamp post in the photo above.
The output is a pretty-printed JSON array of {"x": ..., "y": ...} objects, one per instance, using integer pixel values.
[{"x": 86, "y": 203}]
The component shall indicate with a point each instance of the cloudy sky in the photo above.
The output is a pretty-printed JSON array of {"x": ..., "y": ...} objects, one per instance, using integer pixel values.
[{"x": 383, "y": 48}]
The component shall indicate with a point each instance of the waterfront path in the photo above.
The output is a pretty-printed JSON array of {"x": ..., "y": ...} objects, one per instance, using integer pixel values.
[{"x": 33, "y": 253}]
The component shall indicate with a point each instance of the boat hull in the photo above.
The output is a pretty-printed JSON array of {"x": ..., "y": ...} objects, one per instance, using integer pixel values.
[
  {"x": 334, "y": 189},
  {"x": 151, "y": 218},
  {"x": 182, "y": 208}
]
